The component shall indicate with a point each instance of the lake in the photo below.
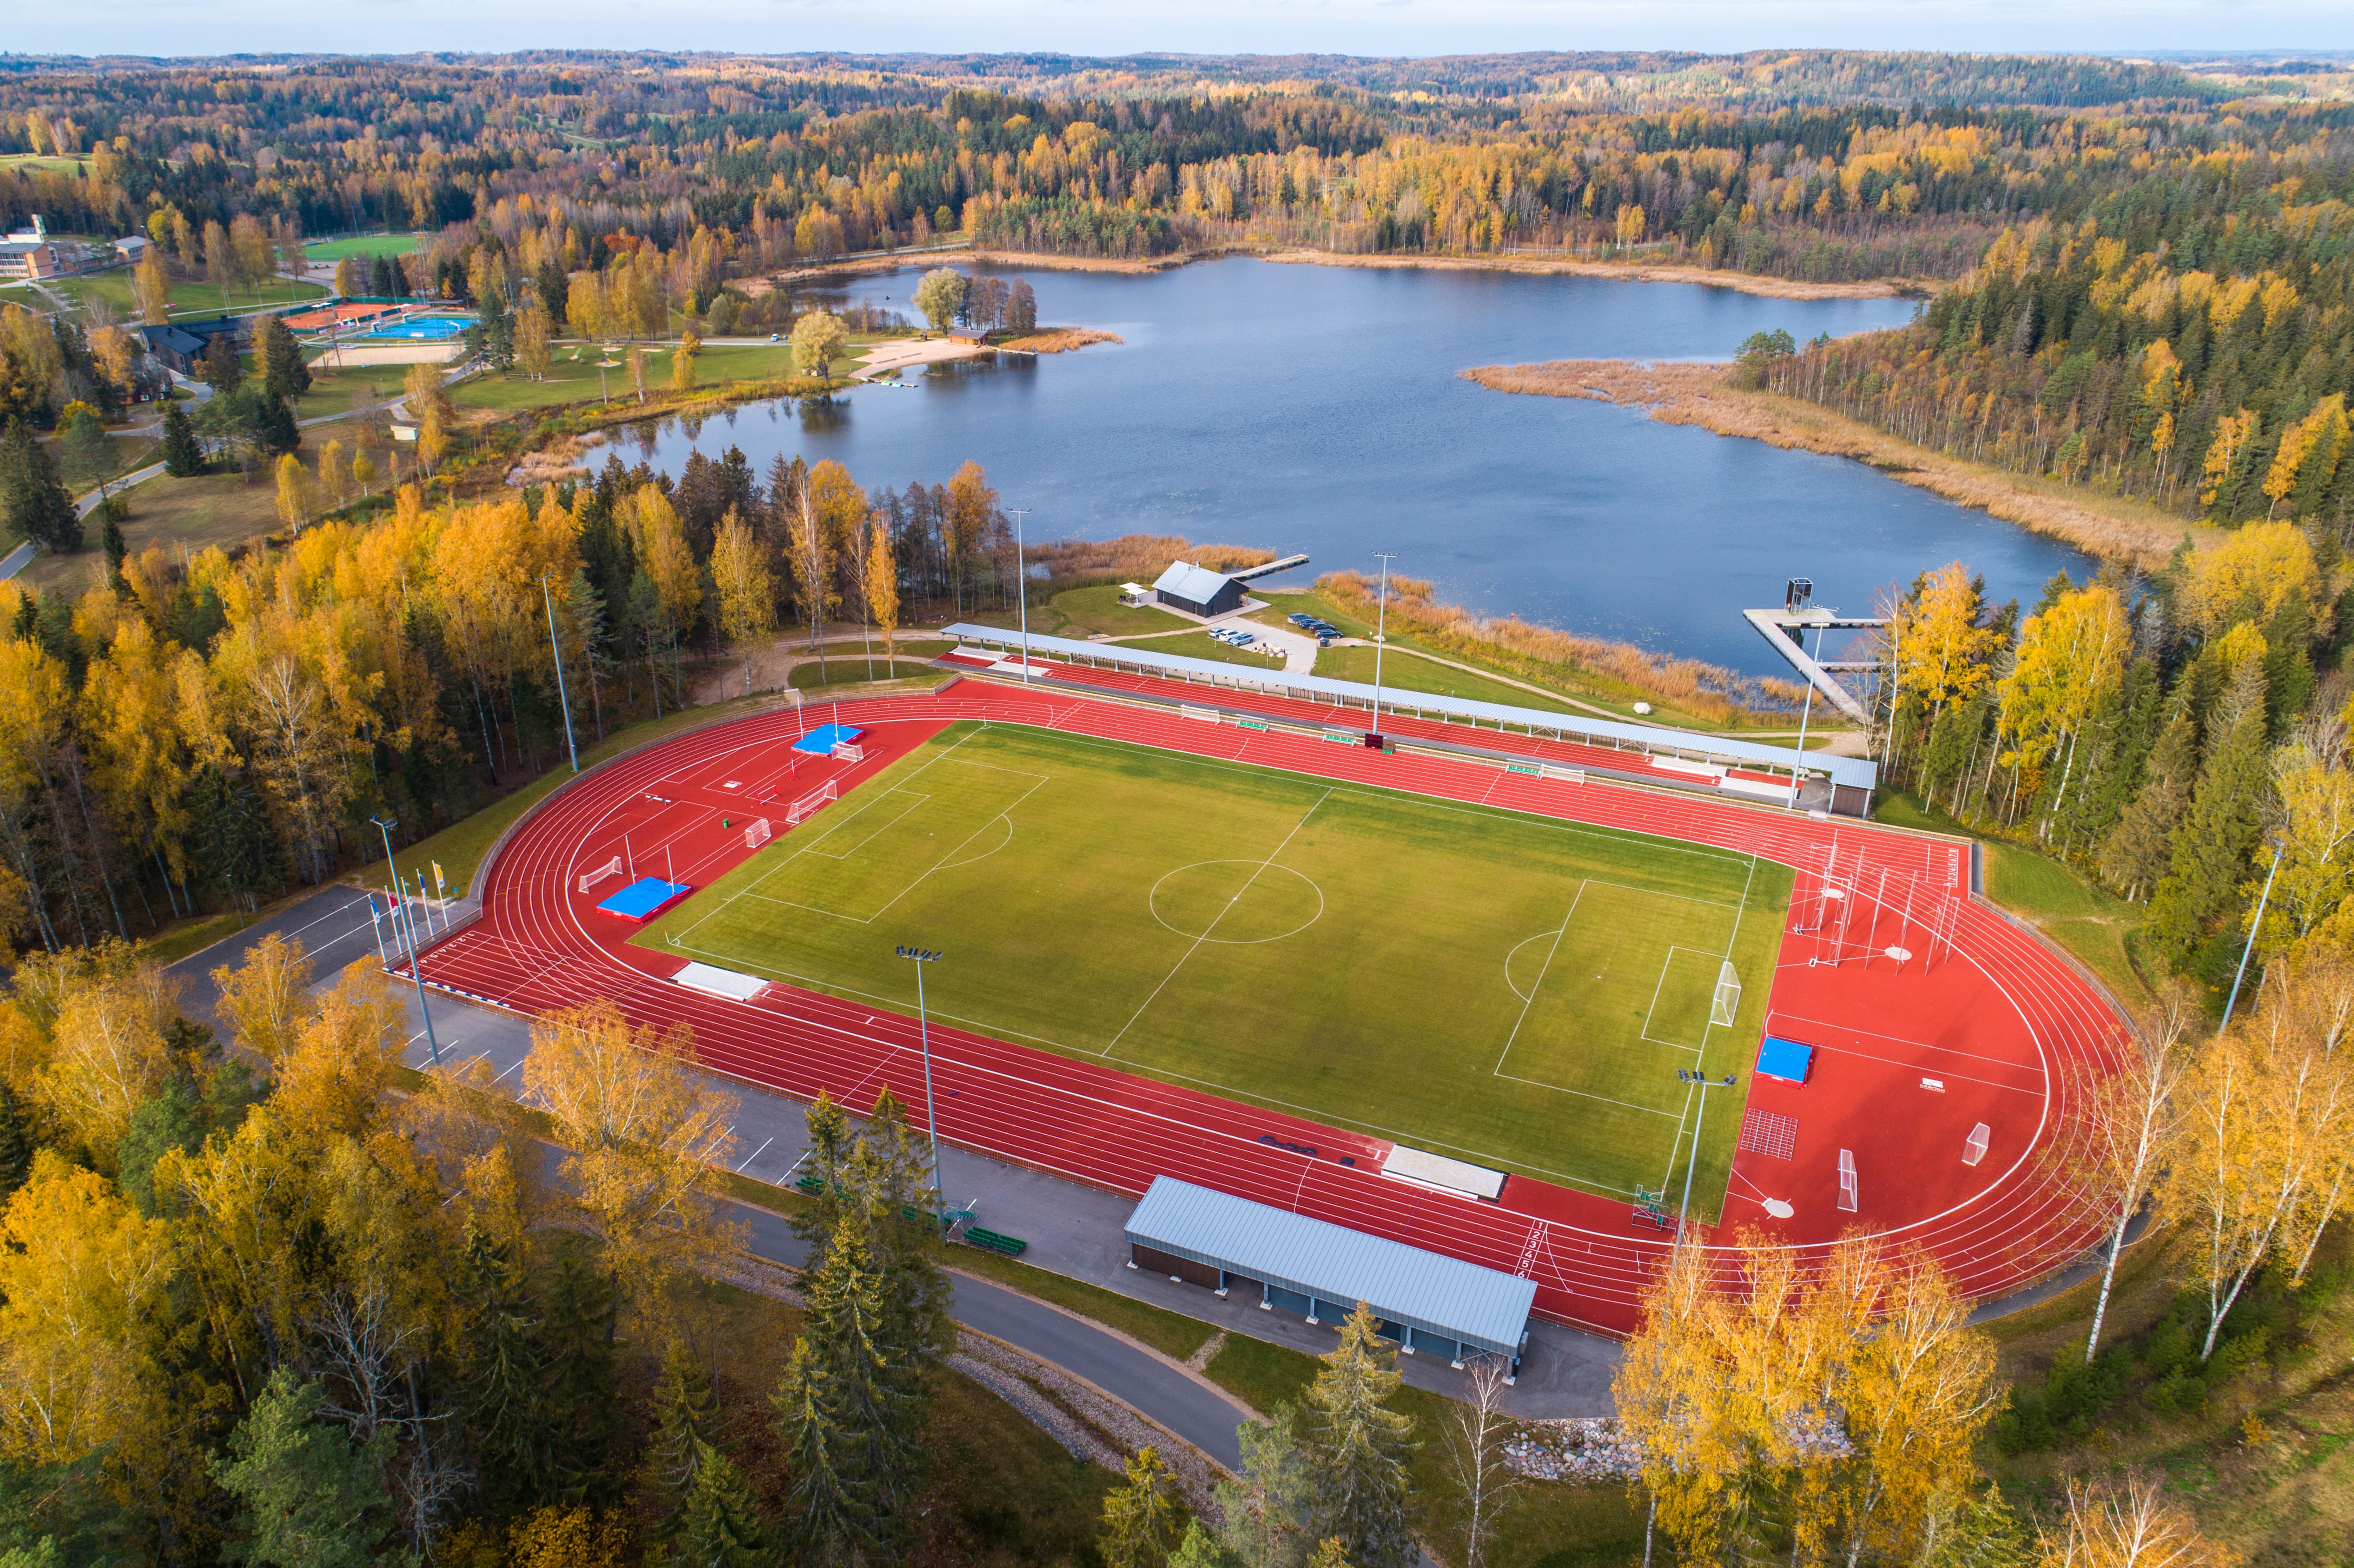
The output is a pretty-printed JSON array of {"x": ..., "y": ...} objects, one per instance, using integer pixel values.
[{"x": 1319, "y": 409}]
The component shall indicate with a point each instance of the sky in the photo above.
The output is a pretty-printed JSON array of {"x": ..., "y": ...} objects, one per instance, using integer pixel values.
[{"x": 1204, "y": 26}]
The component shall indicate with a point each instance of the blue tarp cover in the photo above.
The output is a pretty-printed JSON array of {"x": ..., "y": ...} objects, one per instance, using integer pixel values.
[
  {"x": 821, "y": 741},
  {"x": 1784, "y": 1059},
  {"x": 643, "y": 897}
]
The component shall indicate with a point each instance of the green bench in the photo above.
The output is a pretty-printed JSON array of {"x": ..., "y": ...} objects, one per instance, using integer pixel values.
[{"x": 1010, "y": 1246}]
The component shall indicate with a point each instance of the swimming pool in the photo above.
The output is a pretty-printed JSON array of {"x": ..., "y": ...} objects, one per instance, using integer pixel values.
[{"x": 431, "y": 329}]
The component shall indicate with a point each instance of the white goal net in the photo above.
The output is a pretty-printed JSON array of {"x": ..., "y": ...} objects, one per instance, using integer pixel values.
[
  {"x": 810, "y": 802},
  {"x": 757, "y": 834},
  {"x": 1727, "y": 1000}
]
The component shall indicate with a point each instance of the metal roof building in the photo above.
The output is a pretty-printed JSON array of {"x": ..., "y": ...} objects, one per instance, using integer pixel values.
[
  {"x": 1197, "y": 589},
  {"x": 1320, "y": 1270}
]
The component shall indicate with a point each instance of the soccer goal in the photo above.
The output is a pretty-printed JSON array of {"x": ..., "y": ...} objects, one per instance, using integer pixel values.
[
  {"x": 610, "y": 868},
  {"x": 757, "y": 834},
  {"x": 849, "y": 751},
  {"x": 1727, "y": 1000},
  {"x": 810, "y": 802}
]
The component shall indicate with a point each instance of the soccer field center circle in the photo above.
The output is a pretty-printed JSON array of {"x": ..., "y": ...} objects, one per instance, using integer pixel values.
[
  {"x": 1997, "y": 1025},
  {"x": 1236, "y": 901}
]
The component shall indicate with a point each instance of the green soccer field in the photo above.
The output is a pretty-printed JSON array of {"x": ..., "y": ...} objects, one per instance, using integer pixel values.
[{"x": 1497, "y": 988}]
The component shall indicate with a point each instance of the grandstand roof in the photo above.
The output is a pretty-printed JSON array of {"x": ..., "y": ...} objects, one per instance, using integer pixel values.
[
  {"x": 1486, "y": 1309},
  {"x": 1855, "y": 772}
]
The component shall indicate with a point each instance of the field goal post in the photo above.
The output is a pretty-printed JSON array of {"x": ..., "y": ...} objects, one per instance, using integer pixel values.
[
  {"x": 591, "y": 878},
  {"x": 1726, "y": 1002},
  {"x": 810, "y": 802},
  {"x": 756, "y": 833}
]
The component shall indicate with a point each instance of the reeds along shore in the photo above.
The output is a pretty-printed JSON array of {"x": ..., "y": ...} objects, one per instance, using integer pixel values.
[
  {"x": 1142, "y": 556},
  {"x": 1706, "y": 690},
  {"x": 1704, "y": 395}
]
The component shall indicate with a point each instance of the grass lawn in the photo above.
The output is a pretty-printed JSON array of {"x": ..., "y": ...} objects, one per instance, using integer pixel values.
[
  {"x": 848, "y": 667},
  {"x": 573, "y": 378},
  {"x": 1281, "y": 941},
  {"x": 211, "y": 509},
  {"x": 2054, "y": 897},
  {"x": 349, "y": 390},
  {"x": 1412, "y": 672},
  {"x": 190, "y": 298},
  {"x": 1092, "y": 611},
  {"x": 1202, "y": 645},
  {"x": 360, "y": 245}
]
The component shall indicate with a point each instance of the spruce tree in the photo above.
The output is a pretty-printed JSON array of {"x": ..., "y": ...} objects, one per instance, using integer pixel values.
[
  {"x": 502, "y": 1370},
  {"x": 1265, "y": 1508},
  {"x": 33, "y": 498},
  {"x": 16, "y": 1144},
  {"x": 581, "y": 1383},
  {"x": 274, "y": 431},
  {"x": 2209, "y": 852},
  {"x": 221, "y": 366},
  {"x": 1140, "y": 1518},
  {"x": 112, "y": 540},
  {"x": 823, "y": 1166},
  {"x": 2135, "y": 855},
  {"x": 720, "y": 1527},
  {"x": 1356, "y": 1449},
  {"x": 686, "y": 1417},
  {"x": 184, "y": 458},
  {"x": 283, "y": 374},
  {"x": 839, "y": 1414},
  {"x": 311, "y": 1498}
]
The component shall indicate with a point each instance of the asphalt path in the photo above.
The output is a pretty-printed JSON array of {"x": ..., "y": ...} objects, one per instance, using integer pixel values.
[{"x": 336, "y": 928}]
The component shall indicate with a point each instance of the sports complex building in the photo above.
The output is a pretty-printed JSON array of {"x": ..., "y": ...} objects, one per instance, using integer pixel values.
[{"x": 1464, "y": 1011}]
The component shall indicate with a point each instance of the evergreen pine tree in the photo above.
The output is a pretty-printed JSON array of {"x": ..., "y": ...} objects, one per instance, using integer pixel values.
[
  {"x": 720, "y": 1527},
  {"x": 2136, "y": 854},
  {"x": 686, "y": 1416},
  {"x": 16, "y": 1144},
  {"x": 311, "y": 1498},
  {"x": 1140, "y": 1518},
  {"x": 823, "y": 1166},
  {"x": 33, "y": 498},
  {"x": 837, "y": 1413},
  {"x": 1266, "y": 1509},
  {"x": 221, "y": 366},
  {"x": 283, "y": 374},
  {"x": 502, "y": 1371},
  {"x": 1356, "y": 1446},
  {"x": 182, "y": 457},
  {"x": 581, "y": 1383},
  {"x": 2209, "y": 852},
  {"x": 111, "y": 539},
  {"x": 274, "y": 431}
]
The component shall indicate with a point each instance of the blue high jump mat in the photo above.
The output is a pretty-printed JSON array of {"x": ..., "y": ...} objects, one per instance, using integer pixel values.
[
  {"x": 645, "y": 898},
  {"x": 821, "y": 741},
  {"x": 1784, "y": 1059}
]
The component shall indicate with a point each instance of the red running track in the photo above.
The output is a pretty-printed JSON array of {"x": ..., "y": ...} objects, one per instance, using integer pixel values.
[{"x": 1994, "y": 1025}]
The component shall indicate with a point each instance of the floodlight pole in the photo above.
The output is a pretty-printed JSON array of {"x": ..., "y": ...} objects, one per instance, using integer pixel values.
[
  {"x": 1705, "y": 1085},
  {"x": 1797, "y": 768},
  {"x": 923, "y": 1029},
  {"x": 562, "y": 701},
  {"x": 2255, "y": 925},
  {"x": 1022, "y": 586},
  {"x": 1381, "y": 634},
  {"x": 416, "y": 964}
]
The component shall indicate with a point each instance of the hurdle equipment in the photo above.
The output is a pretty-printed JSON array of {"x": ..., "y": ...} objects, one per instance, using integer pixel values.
[
  {"x": 610, "y": 868},
  {"x": 801, "y": 808},
  {"x": 756, "y": 833},
  {"x": 1727, "y": 1000}
]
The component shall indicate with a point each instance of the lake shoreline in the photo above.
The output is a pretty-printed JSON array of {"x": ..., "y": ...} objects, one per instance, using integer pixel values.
[
  {"x": 1753, "y": 284},
  {"x": 1621, "y": 272},
  {"x": 1703, "y": 395}
]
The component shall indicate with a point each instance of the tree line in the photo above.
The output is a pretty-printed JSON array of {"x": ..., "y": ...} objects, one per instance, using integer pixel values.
[{"x": 200, "y": 733}]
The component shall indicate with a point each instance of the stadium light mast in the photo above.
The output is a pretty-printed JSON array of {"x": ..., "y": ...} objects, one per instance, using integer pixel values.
[
  {"x": 562, "y": 701},
  {"x": 920, "y": 956},
  {"x": 1022, "y": 586},
  {"x": 1691, "y": 1076},
  {"x": 416, "y": 964},
  {"x": 1380, "y": 633}
]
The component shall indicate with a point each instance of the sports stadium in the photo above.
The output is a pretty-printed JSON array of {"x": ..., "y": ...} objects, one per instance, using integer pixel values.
[{"x": 1535, "y": 999}]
